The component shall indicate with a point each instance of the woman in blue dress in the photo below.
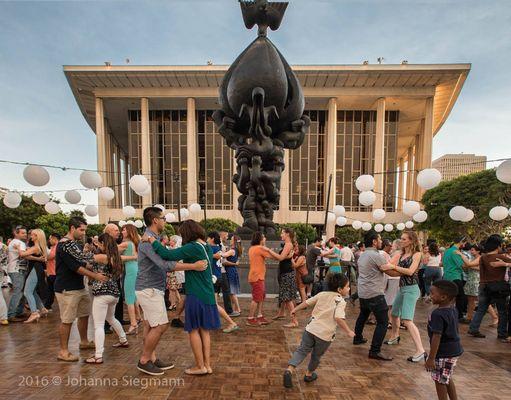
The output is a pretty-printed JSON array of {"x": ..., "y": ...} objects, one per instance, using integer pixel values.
[{"x": 231, "y": 263}]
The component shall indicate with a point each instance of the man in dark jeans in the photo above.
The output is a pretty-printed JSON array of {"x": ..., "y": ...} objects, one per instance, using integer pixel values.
[
  {"x": 222, "y": 282},
  {"x": 371, "y": 284}
]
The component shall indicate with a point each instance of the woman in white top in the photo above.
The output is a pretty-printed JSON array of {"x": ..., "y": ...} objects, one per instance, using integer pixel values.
[{"x": 433, "y": 271}]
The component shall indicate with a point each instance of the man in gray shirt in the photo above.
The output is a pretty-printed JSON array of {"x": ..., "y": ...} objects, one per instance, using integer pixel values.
[
  {"x": 371, "y": 285},
  {"x": 150, "y": 290}
]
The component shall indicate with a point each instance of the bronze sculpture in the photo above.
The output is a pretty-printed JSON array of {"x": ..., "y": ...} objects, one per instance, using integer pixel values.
[{"x": 261, "y": 114}]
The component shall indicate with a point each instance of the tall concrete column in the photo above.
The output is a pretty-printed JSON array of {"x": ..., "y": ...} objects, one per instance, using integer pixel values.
[
  {"x": 284, "y": 189},
  {"x": 426, "y": 148},
  {"x": 191, "y": 153},
  {"x": 118, "y": 177},
  {"x": 401, "y": 182},
  {"x": 126, "y": 182},
  {"x": 417, "y": 165},
  {"x": 145, "y": 156},
  {"x": 101, "y": 153},
  {"x": 379, "y": 153},
  {"x": 409, "y": 174},
  {"x": 331, "y": 161}
]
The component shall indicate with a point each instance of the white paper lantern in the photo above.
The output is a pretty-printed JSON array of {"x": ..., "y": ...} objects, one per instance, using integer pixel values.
[
  {"x": 160, "y": 206},
  {"x": 128, "y": 211},
  {"x": 40, "y": 198},
  {"x": 499, "y": 213},
  {"x": 367, "y": 198},
  {"x": 341, "y": 221},
  {"x": 378, "y": 228},
  {"x": 457, "y": 213},
  {"x": 356, "y": 225},
  {"x": 52, "y": 208},
  {"x": 409, "y": 224},
  {"x": 510, "y": 212},
  {"x": 330, "y": 217},
  {"x": 139, "y": 183},
  {"x": 139, "y": 224},
  {"x": 365, "y": 183},
  {"x": 379, "y": 214},
  {"x": 366, "y": 226},
  {"x": 12, "y": 200},
  {"x": 389, "y": 227},
  {"x": 170, "y": 217},
  {"x": 106, "y": 193},
  {"x": 469, "y": 216},
  {"x": 339, "y": 211},
  {"x": 411, "y": 208},
  {"x": 36, "y": 175},
  {"x": 400, "y": 226},
  {"x": 72, "y": 196},
  {"x": 184, "y": 213},
  {"x": 90, "y": 179},
  {"x": 121, "y": 223},
  {"x": 429, "y": 178},
  {"x": 146, "y": 192},
  {"x": 421, "y": 216},
  {"x": 130, "y": 222},
  {"x": 91, "y": 210},
  {"x": 194, "y": 208},
  {"x": 504, "y": 172}
]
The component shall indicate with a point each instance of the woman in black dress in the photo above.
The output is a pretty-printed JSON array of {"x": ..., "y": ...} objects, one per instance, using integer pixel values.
[{"x": 287, "y": 276}]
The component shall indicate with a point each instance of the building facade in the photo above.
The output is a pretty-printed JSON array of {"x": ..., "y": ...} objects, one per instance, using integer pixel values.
[
  {"x": 367, "y": 119},
  {"x": 452, "y": 166}
]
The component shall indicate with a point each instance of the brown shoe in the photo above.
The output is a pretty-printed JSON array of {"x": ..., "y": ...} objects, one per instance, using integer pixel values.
[
  {"x": 16, "y": 319},
  {"x": 87, "y": 346}
]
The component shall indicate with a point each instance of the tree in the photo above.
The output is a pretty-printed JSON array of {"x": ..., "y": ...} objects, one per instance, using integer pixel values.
[
  {"x": 347, "y": 235},
  {"x": 95, "y": 229},
  {"x": 26, "y": 215},
  {"x": 219, "y": 224},
  {"x": 53, "y": 223},
  {"x": 303, "y": 232},
  {"x": 479, "y": 192},
  {"x": 169, "y": 230}
]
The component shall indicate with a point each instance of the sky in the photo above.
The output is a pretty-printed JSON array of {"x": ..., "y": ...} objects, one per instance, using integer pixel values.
[{"x": 40, "y": 121}]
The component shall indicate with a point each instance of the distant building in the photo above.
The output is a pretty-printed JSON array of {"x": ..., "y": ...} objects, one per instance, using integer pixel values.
[{"x": 452, "y": 166}]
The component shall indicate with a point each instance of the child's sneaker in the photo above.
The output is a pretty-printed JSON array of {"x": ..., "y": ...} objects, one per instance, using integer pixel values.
[
  {"x": 288, "y": 379},
  {"x": 311, "y": 378},
  {"x": 253, "y": 322},
  {"x": 262, "y": 321}
]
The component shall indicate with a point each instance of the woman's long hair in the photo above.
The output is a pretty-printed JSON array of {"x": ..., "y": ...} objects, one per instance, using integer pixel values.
[
  {"x": 290, "y": 232},
  {"x": 40, "y": 242},
  {"x": 237, "y": 245},
  {"x": 112, "y": 254},
  {"x": 132, "y": 234},
  {"x": 416, "y": 246}
]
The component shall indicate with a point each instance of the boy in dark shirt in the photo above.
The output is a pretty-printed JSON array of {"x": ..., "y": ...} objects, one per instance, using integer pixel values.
[{"x": 444, "y": 339}]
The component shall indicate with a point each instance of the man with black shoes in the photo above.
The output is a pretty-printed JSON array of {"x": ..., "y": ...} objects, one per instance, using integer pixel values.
[{"x": 371, "y": 285}]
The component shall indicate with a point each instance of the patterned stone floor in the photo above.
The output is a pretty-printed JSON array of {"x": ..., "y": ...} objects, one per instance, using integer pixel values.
[{"x": 247, "y": 364}]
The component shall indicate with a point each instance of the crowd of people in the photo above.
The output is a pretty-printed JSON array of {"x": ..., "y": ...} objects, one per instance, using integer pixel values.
[{"x": 151, "y": 275}]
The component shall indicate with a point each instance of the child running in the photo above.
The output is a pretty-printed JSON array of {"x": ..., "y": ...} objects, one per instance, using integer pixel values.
[
  {"x": 445, "y": 345},
  {"x": 328, "y": 312}
]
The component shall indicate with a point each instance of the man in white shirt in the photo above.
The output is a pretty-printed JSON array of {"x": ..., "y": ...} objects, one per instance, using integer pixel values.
[{"x": 17, "y": 268}]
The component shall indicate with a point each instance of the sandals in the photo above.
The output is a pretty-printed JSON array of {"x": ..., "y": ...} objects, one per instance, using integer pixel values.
[
  {"x": 121, "y": 344},
  {"x": 290, "y": 325},
  {"x": 231, "y": 329},
  {"x": 69, "y": 358},
  {"x": 133, "y": 330},
  {"x": 203, "y": 371},
  {"x": 94, "y": 360}
]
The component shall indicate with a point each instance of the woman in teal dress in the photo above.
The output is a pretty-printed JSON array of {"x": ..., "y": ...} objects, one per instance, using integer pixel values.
[
  {"x": 128, "y": 248},
  {"x": 201, "y": 313},
  {"x": 334, "y": 254}
]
